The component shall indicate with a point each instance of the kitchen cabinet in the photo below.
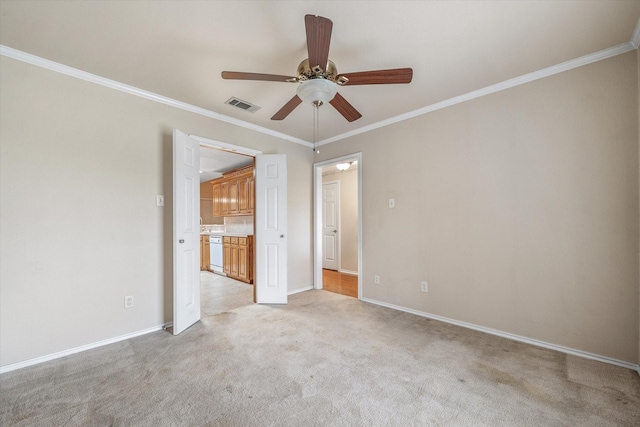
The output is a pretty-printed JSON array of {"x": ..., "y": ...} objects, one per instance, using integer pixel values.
[
  {"x": 206, "y": 203},
  {"x": 224, "y": 199},
  {"x": 245, "y": 196},
  {"x": 232, "y": 209},
  {"x": 244, "y": 260},
  {"x": 238, "y": 257},
  {"x": 204, "y": 253},
  {"x": 216, "y": 199},
  {"x": 234, "y": 193},
  {"x": 252, "y": 194},
  {"x": 226, "y": 255}
]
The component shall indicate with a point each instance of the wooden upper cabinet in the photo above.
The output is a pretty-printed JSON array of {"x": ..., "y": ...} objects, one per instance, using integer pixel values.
[
  {"x": 217, "y": 200},
  {"x": 252, "y": 194},
  {"x": 234, "y": 197},
  {"x": 224, "y": 198},
  {"x": 244, "y": 193},
  {"x": 234, "y": 193}
]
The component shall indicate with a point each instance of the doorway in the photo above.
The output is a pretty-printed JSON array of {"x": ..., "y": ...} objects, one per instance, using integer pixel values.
[
  {"x": 220, "y": 293},
  {"x": 338, "y": 225},
  {"x": 269, "y": 199}
]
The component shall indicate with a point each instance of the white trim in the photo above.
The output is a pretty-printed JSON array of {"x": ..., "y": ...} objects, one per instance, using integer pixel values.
[
  {"x": 64, "y": 353},
  {"x": 317, "y": 218},
  {"x": 339, "y": 227},
  {"x": 297, "y": 291},
  {"x": 507, "y": 84},
  {"x": 353, "y": 273},
  {"x": 219, "y": 145},
  {"x": 510, "y": 336},
  {"x": 112, "y": 84},
  {"x": 635, "y": 38},
  {"x": 536, "y": 75}
]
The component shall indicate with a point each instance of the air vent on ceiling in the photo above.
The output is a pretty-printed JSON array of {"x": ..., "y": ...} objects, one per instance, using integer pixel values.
[{"x": 247, "y": 106}]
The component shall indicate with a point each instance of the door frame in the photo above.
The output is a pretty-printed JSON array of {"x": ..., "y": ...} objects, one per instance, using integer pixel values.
[
  {"x": 219, "y": 145},
  {"x": 224, "y": 146},
  {"x": 317, "y": 217},
  {"x": 338, "y": 226}
]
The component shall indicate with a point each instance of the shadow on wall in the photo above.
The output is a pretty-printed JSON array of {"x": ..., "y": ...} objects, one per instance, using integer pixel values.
[{"x": 167, "y": 224}]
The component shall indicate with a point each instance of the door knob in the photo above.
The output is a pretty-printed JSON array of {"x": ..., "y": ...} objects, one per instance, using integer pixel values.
[
  {"x": 181, "y": 241},
  {"x": 282, "y": 236},
  {"x": 335, "y": 231}
]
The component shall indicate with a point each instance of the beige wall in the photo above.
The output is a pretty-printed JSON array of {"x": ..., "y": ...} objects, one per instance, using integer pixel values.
[
  {"x": 520, "y": 208},
  {"x": 80, "y": 167},
  {"x": 348, "y": 217}
]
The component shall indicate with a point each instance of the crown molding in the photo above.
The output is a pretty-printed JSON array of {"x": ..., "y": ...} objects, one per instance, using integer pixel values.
[
  {"x": 633, "y": 44},
  {"x": 112, "y": 84},
  {"x": 507, "y": 84}
]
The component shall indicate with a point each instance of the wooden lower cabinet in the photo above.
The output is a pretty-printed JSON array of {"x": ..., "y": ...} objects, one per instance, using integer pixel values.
[
  {"x": 204, "y": 253},
  {"x": 238, "y": 257},
  {"x": 226, "y": 256}
]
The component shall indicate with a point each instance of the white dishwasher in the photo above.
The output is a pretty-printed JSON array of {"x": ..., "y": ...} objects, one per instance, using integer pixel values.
[{"x": 215, "y": 254}]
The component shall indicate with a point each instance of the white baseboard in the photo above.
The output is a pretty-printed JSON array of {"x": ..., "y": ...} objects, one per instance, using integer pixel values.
[
  {"x": 510, "y": 336},
  {"x": 562, "y": 349},
  {"x": 53, "y": 356},
  {"x": 296, "y": 291}
]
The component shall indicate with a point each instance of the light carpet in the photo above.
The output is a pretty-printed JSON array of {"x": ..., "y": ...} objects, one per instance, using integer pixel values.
[{"x": 322, "y": 360}]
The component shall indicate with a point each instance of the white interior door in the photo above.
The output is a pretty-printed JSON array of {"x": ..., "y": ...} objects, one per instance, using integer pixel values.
[
  {"x": 330, "y": 223},
  {"x": 186, "y": 231},
  {"x": 271, "y": 229}
]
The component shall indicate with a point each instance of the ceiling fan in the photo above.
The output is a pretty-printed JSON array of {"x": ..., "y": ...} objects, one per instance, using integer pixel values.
[{"x": 318, "y": 76}]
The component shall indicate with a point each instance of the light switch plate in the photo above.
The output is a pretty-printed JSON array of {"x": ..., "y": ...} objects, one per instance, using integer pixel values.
[
  {"x": 392, "y": 203},
  {"x": 159, "y": 200}
]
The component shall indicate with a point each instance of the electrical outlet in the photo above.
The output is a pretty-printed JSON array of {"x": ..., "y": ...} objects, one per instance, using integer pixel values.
[
  {"x": 128, "y": 301},
  {"x": 376, "y": 280},
  {"x": 424, "y": 286}
]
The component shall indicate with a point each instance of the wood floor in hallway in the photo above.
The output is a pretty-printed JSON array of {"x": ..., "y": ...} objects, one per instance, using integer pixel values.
[{"x": 340, "y": 283}]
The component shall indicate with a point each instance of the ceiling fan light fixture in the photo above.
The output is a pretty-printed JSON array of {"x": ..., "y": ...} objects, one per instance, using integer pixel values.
[{"x": 317, "y": 91}]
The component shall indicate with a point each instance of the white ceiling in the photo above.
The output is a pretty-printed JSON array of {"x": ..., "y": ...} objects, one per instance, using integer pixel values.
[
  {"x": 179, "y": 48},
  {"x": 214, "y": 162}
]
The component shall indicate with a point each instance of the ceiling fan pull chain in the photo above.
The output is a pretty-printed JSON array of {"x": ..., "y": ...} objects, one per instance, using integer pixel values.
[{"x": 316, "y": 125}]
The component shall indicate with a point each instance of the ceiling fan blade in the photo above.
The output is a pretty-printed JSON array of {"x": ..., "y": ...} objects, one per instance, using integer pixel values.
[
  {"x": 288, "y": 108},
  {"x": 318, "y": 40},
  {"x": 344, "y": 108},
  {"x": 239, "y": 75},
  {"x": 378, "y": 77}
]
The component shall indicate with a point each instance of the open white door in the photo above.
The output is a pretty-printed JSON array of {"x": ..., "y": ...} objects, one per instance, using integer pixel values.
[
  {"x": 186, "y": 231},
  {"x": 271, "y": 229}
]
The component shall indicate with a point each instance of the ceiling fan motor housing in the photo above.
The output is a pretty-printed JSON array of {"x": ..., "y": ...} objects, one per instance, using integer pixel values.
[
  {"x": 305, "y": 72},
  {"x": 318, "y": 75}
]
